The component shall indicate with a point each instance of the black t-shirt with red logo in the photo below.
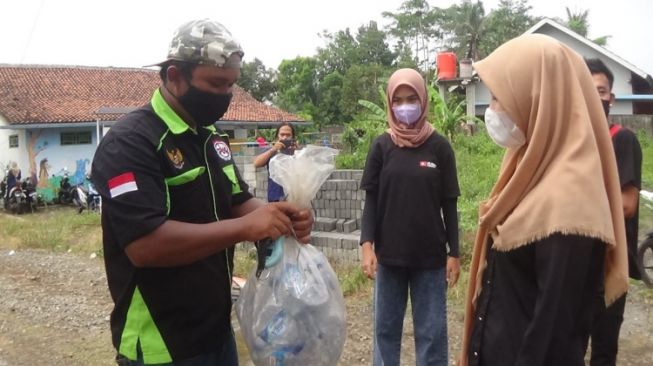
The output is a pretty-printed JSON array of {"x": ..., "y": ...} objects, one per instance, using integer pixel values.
[
  {"x": 150, "y": 168},
  {"x": 410, "y": 185}
]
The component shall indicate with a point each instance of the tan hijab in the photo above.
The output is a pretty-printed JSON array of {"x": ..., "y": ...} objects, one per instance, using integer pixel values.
[
  {"x": 564, "y": 179},
  {"x": 402, "y": 135}
]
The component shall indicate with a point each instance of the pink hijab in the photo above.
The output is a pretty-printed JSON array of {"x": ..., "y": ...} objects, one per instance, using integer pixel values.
[{"x": 402, "y": 135}]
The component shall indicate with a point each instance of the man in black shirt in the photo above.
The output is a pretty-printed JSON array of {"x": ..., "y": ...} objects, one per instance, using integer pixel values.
[
  {"x": 605, "y": 330},
  {"x": 174, "y": 205}
]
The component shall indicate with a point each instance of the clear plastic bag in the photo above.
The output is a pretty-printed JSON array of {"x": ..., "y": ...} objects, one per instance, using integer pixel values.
[{"x": 294, "y": 314}]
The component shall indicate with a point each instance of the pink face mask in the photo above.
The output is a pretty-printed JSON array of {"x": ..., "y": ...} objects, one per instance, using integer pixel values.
[{"x": 407, "y": 113}]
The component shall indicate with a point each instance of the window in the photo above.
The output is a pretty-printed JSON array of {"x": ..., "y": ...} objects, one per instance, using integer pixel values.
[
  {"x": 76, "y": 138},
  {"x": 13, "y": 140}
]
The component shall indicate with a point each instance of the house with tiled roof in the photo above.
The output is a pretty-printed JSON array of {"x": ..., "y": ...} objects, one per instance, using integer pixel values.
[
  {"x": 633, "y": 87},
  {"x": 52, "y": 117}
]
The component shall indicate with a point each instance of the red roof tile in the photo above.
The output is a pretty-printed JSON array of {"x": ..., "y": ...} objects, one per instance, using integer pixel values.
[{"x": 64, "y": 94}]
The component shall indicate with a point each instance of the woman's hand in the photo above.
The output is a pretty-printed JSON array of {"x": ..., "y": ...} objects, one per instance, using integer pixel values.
[
  {"x": 453, "y": 271},
  {"x": 368, "y": 263}
]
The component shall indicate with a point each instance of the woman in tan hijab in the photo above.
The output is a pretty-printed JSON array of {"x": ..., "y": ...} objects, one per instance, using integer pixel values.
[
  {"x": 409, "y": 220},
  {"x": 551, "y": 236}
]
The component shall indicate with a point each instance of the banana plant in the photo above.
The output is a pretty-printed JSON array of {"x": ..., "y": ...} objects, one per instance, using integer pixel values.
[{"x": 446, "y": 117}]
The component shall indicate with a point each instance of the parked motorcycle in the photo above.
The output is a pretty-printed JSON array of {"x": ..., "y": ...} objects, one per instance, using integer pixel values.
[
  {"x": 3, "y": 189},
  {"x": 65, "y": 190},
  {"x": 645, "y": 250},
  {"x": 16, "y": 201},
  {"x": 31, "y": 196},
  {"x": 94, "y": 200},
  {"x": 72, "y": 194}
]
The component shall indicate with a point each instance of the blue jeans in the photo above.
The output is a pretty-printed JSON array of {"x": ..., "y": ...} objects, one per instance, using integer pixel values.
[
  {"x": 228, "y": 357},
  {"x": 428, "y": 291}
]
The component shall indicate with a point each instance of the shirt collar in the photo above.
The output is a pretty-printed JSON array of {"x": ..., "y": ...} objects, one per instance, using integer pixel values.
[{"x": 162, "y": 109}]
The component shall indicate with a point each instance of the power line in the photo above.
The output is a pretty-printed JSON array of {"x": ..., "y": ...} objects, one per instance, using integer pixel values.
[{"x": 31, "y": 32}]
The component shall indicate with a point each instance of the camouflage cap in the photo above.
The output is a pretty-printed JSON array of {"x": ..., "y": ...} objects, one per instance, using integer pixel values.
[{"x": 205, "y": 42}]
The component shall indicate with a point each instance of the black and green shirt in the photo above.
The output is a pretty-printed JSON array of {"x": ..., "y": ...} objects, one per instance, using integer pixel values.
[{"x": 151, "y": 167}]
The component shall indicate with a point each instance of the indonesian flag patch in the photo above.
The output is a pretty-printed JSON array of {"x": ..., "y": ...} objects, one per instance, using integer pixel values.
[{"x": 122, "y": 184}]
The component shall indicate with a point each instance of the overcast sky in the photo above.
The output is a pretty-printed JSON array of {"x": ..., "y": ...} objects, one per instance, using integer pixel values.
[{"x": 133, "y": 33}]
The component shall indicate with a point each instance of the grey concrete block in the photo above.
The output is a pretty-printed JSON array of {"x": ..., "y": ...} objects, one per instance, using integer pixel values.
[
  {"x": 340, "y": 225},
  {"x": 349, "y": 226}
]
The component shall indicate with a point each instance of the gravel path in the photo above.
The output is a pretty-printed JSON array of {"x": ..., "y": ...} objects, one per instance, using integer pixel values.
[{"x": 54, "y": 310}]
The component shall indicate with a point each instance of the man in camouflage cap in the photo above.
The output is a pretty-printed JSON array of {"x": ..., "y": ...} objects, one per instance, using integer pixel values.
[
  {"x": 174, "y": 205},
  {"x": 205, "y": 42}
]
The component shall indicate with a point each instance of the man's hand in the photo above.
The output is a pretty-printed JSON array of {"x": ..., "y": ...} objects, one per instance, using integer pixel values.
[
  {"x": 302, "y": 224},
  {"x": 453, "y": 270},
  {"x": 270, "y": 221},
  {"x": 278, "y": 146},
  {"x": 368, "y": 263}
]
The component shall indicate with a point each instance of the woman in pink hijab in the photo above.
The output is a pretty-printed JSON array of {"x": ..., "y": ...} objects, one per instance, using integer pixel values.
[{"x": 410, "y": 227}]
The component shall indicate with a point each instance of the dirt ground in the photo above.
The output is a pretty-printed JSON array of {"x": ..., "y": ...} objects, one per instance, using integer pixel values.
[{"x": 54, "y": 310}]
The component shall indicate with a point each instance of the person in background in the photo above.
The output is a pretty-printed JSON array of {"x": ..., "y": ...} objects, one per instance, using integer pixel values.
[
  {"x": 409, "y": 218},
  {"x": 552, "y": 229},
  {"x": 286, "y": 144},
  {"x": 607, "y": 323},
  {"x": 261, "y": 141},
  {"x": 13, "y": 177},
  {"x": 173, "y": 207}
]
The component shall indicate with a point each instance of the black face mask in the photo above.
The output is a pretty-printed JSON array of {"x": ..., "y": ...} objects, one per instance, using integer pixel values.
[
  {"x": 606, "y": 107},
  {"x": 204, "y": 107}
]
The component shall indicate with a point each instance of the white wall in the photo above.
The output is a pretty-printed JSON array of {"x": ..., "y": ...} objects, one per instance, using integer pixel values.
[
  {"x": 622, "y": 75},
  {"x": 16, "y": 154}
]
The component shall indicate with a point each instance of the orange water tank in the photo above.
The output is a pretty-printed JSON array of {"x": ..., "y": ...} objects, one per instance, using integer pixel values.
[{"x": 446, "y": 65}]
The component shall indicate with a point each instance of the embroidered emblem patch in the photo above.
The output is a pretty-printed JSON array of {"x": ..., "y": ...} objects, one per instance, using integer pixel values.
[
  {"x": 427, "y": 164},
  {"x": 176, "y": 157},
  {"x": 222, "y": 149}
]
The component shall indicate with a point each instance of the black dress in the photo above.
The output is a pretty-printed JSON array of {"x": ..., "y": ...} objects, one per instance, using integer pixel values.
[{"x": 536, "y": 303}]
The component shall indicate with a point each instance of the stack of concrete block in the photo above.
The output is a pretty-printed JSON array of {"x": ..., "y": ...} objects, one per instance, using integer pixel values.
[{"x": 338, "y": 209}]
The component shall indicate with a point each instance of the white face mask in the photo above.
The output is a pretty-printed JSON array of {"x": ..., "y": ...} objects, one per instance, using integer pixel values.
[{"x": 503, "y": 130}]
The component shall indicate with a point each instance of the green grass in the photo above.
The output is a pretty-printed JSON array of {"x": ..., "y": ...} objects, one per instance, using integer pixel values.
[
  {"x": 351, "y": 278},
  {"x": 477, "y": 161},
  {"x": 54, "y": 228},
  {"x": 646, "y": 142}
]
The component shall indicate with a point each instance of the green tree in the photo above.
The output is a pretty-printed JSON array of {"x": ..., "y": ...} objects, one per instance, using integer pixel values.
[
  {"x": 414, "y": 25},
  {"x": 508, "y": 21},
  {"x": 578, "y": 21},
  {"x": 297, "y": 92},
  {"x": 465, "y": 27},
  {"x": 339, "y": 53},
  {"x": 347, "y": 66},
  {"x": 258, "y": 81},
  {"x": 372, "y": 46},
  {"x": 329, "y": 96},
  {"x": 360, "y": 82}
]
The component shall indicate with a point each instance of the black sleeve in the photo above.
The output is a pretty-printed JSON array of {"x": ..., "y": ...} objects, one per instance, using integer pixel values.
[
  {"x": 368, "y": 224},
  {"x": 629, "y": 158},
  {"x": 373, "y": 166},
  {"x": 137, "y": 204},
  {"x": 449, "y": 173},
  {"x": 450, "y": 213}
]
